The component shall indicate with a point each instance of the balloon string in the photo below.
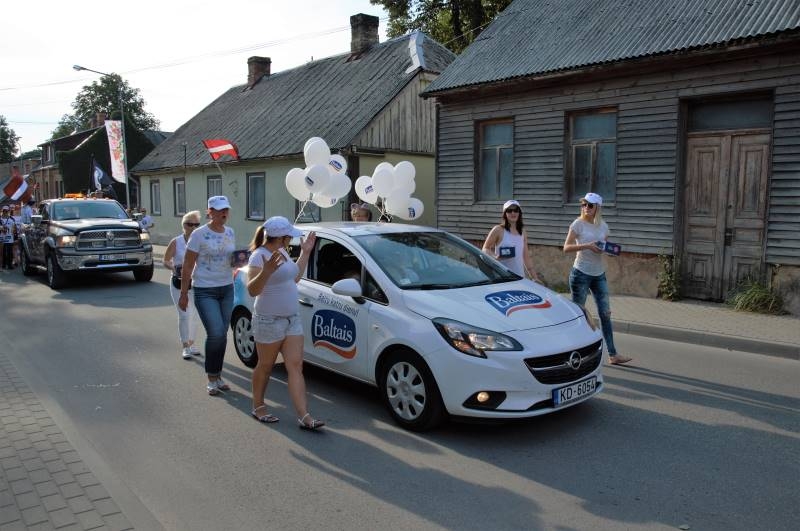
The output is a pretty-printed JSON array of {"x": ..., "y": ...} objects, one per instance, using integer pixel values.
[{"x": 302, "y": 209}]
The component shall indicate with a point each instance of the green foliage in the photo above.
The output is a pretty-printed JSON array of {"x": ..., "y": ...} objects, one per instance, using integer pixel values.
[
  {"x": 751, "y": 295},
  {"x": 455, "y": 23},
  {"x": 32, "y": 154},
  {"x": 104, "y": 96},
  {"x": 8, "y": 141},
  {"x": 669, "y": 277}
]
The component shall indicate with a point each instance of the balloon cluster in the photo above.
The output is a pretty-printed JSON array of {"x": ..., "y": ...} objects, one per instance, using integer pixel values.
[
  {"x": 323, "y": 181},
  {"x": 394, "y": 185}
]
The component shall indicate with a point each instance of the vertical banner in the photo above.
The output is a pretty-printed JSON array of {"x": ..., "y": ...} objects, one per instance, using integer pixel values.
[{"x": 115, "y": 147}]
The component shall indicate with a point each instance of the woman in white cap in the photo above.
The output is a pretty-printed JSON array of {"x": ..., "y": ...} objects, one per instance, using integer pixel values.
[
  {"x": 173, "y": 260},
  {"x": 207, "y": 265},
  {"x": 360, "y": 212},
  {"x": 272, "y": 279},
  {"x": 508, "y": 242},
  {"x": 589, "y": 269}
]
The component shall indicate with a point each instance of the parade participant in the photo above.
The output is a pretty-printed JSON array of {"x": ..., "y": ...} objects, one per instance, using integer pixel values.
[
  {"x": 173, "y": 260},
  {"x": 589, "y": 269},
  {"x": 27, "y": 212},
  {"x": 508, "y": 242},
  {"x": 9, "y": 230},
  {"x": 272, "y": 280},
  {"x": 360, "y": 212},
  {"x": 146, "y": 222},
  {"x": 207, "y": 269}
]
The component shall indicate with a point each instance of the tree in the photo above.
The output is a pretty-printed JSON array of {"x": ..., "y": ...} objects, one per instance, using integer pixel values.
[
  {"x": 454, "y": 23},
  {"x": 32, "y": 154},
  {"x": 8, "y": 141},
  {"x": 103, "y": 96}
]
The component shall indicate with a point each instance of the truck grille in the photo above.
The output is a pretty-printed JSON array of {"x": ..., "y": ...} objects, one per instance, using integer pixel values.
[
  {"x": 556, "y": 368},
  {"x": 98, "y": 240}
]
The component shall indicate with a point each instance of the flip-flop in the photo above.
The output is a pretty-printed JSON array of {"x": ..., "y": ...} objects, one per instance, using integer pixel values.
[
  {"x": 315, "y": 424},
  {"x": 268, "y": 418}
]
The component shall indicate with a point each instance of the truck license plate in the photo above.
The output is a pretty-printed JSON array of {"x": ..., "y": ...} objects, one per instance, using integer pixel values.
[
  {"x": 576, "y": 391},
  {"x": 111, "y": 257}
]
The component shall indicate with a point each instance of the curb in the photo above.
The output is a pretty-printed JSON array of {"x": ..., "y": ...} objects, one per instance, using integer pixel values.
[{"x": 683, "y": 335}]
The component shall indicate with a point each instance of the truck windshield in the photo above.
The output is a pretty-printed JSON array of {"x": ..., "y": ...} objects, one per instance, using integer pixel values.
[{"x": 88, "y": 209}]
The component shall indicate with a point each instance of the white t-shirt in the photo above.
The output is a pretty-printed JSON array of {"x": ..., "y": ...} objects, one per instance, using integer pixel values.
[
  {"x": 586, "y": 260},
  {"x": 213, "y": 267},
  {"x": 279, "y": 296},
  {"x": 7, "y": 231}
]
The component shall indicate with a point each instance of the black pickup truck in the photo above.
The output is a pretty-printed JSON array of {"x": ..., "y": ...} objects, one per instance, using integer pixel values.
[{"x": 84, "y": 235}]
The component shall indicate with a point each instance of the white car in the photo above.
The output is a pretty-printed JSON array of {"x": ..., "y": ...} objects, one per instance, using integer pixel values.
[{"x": 440, "y": 327}]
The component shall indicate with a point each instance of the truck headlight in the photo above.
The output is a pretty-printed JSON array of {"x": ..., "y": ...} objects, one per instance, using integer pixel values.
[
  {"x": 472, "y": 340},
  {"x": 66, "y": 240},
  {"x": 145, "y": 236}
]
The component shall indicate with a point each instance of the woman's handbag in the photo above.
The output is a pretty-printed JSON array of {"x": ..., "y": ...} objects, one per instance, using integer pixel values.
[{"x": 176, "y": 278}]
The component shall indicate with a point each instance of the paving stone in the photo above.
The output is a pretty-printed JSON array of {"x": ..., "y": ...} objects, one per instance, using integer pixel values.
[
  {"x": 87, "y": 479},
  {"x": 117, "y": 522},
  {"x": 18, "y": 525},
  {"x": 15, "y": 474},
  {"x": 62, "y": 517},
  {"x": 6, "y": 498},
  {"x": 10, "y": 462},
  {"x": 96, "y": 492},
  {"x": 106, "y": 506},
  {"x": 28, "y": 500},
  {"x": 56, "y": 466},
  {"x": 47, "y": 488},
  {"x": 34, "y": 515},
  {"x": 49, "y": 454},
  {"x": 9, "y": 513},
  {"x": 21, "y": 486},
  {"x": 70, "y": 490},
  {"x": 78, "y": 468},
  {"x": 39, "y": 476},
  {"x": 90, "y": 520},
  {"x": 63, "y": 447},
  {"x": 33, "y": 464},
  {"x": 80, "y": 504},
  {"x": 70, "y": 457},
  {"x": 53, "y": 502},
  {"x": 63, "y": 477},
  {"x": 44, "y": 526}
]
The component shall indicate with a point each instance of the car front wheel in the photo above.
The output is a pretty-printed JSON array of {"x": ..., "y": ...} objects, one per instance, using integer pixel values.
[
  {"x": 410, "y": 393},
  {"x": 25, "y": 263},
  {"x": 56, "y": 278},
  {"x": 143, "y": 274},
  {"x": 241, "y": 324}
]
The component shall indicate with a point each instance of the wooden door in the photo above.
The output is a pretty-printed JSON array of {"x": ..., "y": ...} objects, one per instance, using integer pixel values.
[{"x": 725, "y": 210}]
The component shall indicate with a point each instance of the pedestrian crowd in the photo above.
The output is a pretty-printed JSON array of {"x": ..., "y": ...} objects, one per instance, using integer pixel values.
[{"x": 13, "y": 218}]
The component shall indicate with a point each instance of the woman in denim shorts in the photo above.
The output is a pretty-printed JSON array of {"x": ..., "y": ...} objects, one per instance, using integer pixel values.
[
  {"x": 272, "y": 279},
  {"x": 589, "y": 270}
]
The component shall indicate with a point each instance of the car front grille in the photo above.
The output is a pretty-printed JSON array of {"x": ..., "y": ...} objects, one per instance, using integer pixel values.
[
  {"x": 556, "y": 368},
  {"x": 98, "y": 240}
]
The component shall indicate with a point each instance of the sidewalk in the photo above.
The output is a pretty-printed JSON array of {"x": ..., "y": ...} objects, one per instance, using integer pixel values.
[{"x": 697, "y": 322}]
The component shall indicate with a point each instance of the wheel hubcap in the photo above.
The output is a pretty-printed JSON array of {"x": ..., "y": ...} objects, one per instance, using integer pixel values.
[
  {"x": 405, "y": 389},
  {"x": 244, "y": 337}
]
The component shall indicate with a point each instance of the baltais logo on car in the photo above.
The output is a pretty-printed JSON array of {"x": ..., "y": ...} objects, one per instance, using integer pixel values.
[
  {"x": 335, "y": 332},
  {"x": 508, "y": 302}
]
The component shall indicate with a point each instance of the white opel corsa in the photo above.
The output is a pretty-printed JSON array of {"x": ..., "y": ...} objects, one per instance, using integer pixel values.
[{"x": 438, "y": 326}]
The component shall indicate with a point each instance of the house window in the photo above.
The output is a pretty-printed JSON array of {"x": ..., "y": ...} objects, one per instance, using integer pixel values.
[
  {"x": 256, "y": 195},
  {"x": 592, "y": 154},
  {"x": 214, "y": 185},
  {"x": 155, "y": 198},
  {"x": 179, "y": 193},
  {"x": 496, "y": 160}
]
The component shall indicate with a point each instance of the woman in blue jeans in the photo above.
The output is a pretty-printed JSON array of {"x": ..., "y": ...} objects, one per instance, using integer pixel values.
[
  {"x": 589, "y": 270},
  {"x": 207, "y": 263}
]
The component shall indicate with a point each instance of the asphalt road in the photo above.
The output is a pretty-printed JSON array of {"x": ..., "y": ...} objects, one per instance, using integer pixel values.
[{"x": 688, "y": 436}]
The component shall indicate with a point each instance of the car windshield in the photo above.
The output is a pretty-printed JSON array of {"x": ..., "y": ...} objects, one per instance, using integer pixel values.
[
  {"x": 432, "y": 260},
  {"x": 88, "y": 209}
]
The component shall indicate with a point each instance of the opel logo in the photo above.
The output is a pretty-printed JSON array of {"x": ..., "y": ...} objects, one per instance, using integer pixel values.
[
  {"x": 575, "y": 360},
  {"x": 110, "y": 236}
]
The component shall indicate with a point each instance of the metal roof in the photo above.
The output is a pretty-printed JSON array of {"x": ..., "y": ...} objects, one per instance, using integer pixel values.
[
  {"x": 332, "y": 98},
  {"x": 549, "y": 36}
]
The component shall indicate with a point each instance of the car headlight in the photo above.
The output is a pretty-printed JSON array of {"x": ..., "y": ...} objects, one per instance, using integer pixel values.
[
  {"x": 145, "y": 236},
  {"x": 472, "y": 340},
  {"x": 589, "y": 318},
  {"x": 66, "y": 240}
]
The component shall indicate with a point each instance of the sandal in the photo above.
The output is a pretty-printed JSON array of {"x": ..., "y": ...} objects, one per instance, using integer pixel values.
[
  {"x": 267, "y": 417},
  {"x": 315, "y": 424}
]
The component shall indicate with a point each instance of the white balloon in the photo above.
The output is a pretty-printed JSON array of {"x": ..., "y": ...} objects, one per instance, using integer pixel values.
[
  {"x": 404, "y": 170},
  {"x": 324, "y": 201},
  {"x": 403, "y": 184},
  {"x": 317, "y": 153},
  {"x": 383, "y": 181},
  {"x": 339, "y": 186},
  {"x": 295, "y": 184},
  {"x": 415, "y": 209},
  {"x": 365, "y": 190},
  {"x": 382, "y": 166},
  {"x": 316, "y": 178},
  {"x": 397, "y": 205},
  {"x": 310, "y": 140},
  {"x": 337, "y": 164}
]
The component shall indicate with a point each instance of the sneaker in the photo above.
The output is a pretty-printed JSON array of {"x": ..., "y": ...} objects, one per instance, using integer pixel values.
[
  {"x": 187, "y": 353},
  {"x": 213, "y": 388},
  {"x": 222, "y": 386},
  {"x": 194, "y": 350}
]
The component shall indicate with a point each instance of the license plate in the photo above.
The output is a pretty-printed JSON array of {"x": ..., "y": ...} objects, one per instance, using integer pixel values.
[
  {"x": 111, "y": 257},
  {"x": 576, "y": 391}
]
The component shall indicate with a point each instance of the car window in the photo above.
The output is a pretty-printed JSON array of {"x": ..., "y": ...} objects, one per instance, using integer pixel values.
[{"x": 332, "y": 262}]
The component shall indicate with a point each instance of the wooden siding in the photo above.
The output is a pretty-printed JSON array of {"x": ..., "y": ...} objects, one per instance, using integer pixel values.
[
  {"x": 644, "y": 217},
  {"x": 407, "y": 124}
]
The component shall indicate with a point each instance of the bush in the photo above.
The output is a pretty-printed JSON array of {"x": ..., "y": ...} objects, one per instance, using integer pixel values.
[
  {"x": 753, "y": 296},
  {"x": 669, "y": 278}
]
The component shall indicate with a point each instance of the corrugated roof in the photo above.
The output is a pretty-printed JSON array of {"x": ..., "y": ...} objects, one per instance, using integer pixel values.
[
  {"x": 559, "y": 35},
  {"x": 332, "y": 98}
]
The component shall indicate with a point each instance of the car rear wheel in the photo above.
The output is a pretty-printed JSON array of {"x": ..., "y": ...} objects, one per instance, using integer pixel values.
[
  {"x": 56, "y": 278},
  {"x": 143, "y": 274},
  {"x": 25, "y": 264},
  {"x": 410, "y": 393},
  {"x": 241, "y": 324}
]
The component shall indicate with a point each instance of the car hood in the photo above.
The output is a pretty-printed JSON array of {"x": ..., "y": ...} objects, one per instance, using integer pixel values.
[
  {"x": 521, "y": 305},
  {"x": 76, "y": 225}
]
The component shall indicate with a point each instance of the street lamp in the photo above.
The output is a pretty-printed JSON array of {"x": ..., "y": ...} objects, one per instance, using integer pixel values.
[{"x": 124, "y": 143}]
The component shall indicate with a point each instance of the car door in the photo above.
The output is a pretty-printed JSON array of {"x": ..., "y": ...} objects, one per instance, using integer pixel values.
[{"x": 336, "y": 327}]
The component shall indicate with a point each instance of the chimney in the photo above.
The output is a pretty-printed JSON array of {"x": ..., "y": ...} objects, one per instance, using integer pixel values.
[
  {"x": 364, "y": 32},
  {"x": 257, "y": 67}
]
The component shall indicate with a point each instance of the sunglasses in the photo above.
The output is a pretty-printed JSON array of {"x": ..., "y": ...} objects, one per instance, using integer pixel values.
[
  {"x": 192, "y": 224},
  {"x": 513, "y": 210},
  {"x": 587, "y": 205}
]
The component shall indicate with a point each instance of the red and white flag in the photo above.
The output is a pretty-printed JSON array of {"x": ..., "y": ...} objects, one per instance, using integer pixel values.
[
  {"x": 218, "y": 147},
  {"x": 16, "y": 186}
]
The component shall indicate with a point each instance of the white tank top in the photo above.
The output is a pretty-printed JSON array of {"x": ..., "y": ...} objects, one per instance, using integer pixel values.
[
  {"x": 515, "y": 263},
  {"x": 180, "y": 250}
]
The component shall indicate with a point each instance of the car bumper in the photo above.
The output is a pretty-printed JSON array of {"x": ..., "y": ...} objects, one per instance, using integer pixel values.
[
  {"x": 112, "y": 261},
  {"x": 513, "y": 390}
]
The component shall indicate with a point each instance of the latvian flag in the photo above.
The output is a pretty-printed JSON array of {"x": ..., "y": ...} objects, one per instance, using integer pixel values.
[
  {"x": 218, "y": 147},
  {"x": 16, "y": 186}
]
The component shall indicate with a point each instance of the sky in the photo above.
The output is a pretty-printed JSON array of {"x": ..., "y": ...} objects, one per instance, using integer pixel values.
[{"x": 181, "y": 55}]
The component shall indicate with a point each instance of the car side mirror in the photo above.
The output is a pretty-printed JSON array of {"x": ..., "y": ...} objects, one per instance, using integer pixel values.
[
  {"x": 36, "y": 219},
  {"x": 348, "y": 287}
]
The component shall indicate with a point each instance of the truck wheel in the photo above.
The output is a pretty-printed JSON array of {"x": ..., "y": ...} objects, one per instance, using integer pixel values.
[
  {"x": 409, "y": 391},
  {"x": 144, "y": 274},
  {"x": 56, "y": 278},
  {"x": 27, "y": 268}
]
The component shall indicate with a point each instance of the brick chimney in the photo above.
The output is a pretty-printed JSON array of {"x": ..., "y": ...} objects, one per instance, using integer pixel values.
[
  {"x": 257, "y": 67},
  {"x": 364, "y": 32}
]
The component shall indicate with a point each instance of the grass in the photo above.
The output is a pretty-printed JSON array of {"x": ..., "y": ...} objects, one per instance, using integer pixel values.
[{"x": 753, "y": 296}]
